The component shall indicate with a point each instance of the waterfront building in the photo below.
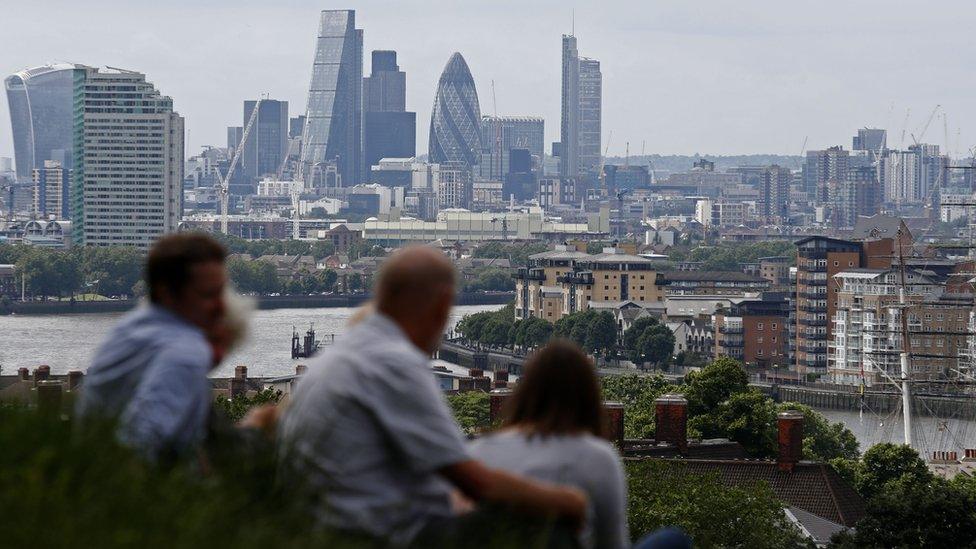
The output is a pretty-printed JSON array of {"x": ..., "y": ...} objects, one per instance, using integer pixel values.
[
  {"x": 42, "y": 115},
  {"x": 501, "y": 135},
  {"x": 455, "y": 122},
  {"x": 715, "y": 283},
  {"x": 333, "y": 123},
  {"x": 867, "y": 326},
  {"x": 581, "y": 117},
  {"x": 389, "y": 131},
  {"x": 52, "y": 184},
  {"x": 755, "y": 332},
  {"x": 122, "y": 194},
  {"x": 267, "y": 144}
]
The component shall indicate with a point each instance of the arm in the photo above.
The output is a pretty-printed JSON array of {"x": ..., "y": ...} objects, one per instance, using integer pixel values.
[{"x": 483, "y": 484}]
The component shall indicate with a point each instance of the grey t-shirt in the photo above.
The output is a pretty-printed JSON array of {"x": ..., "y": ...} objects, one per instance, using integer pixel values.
[
  {"x": 585, "y": 461},
  {"x": 369, "y": 429}
]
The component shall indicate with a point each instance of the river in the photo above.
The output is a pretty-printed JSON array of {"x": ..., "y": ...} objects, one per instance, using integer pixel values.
[{"x": 66, "y": 342}]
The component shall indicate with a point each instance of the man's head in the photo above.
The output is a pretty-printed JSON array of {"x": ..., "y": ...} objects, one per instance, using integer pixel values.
[
  {"x": 416, "y": 290},
  {"x": 185, "y": 274}
]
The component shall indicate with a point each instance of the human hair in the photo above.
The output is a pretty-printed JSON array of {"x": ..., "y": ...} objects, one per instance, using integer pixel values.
[
  {"x": 172, "y": 258},
  {"x": 410, "y": 279},
  {"x": 557, "y": 394}
]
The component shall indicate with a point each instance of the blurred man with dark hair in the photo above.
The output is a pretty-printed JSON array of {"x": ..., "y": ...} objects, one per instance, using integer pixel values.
[
  {"x": 151, "y": 371},
  {"x": 371, "y": 433}
]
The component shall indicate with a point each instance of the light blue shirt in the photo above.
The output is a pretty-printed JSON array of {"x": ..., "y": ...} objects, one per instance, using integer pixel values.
[
  {"x": 369, "y": 429},
  {"x": 151, "y": 374}
]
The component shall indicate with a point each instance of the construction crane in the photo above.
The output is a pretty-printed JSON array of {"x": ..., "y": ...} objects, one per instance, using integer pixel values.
[
  {"x": 225, "y": 181},
  {"x": 803, "y": 149},
  {"x": 601, "y": 177},
  {"x": 925, "y": 128},
  {"x": 904, "y": 126}
]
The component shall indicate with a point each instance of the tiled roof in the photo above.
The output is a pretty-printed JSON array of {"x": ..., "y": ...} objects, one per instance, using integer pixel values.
[{"x": 813, "y": 487}]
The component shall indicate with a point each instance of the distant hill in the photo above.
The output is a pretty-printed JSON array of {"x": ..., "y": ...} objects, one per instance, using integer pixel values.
[{"x": 681, "y": 163}]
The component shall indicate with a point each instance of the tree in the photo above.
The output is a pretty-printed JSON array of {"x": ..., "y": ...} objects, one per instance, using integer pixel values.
[
  {"x": 491, "y": 279},
  {"x": 322, "y": 249},
  {"x": 822, "y": 440},
  {"x": 715, "y": 383},
  {"x": 471, "y": 326},
  {"x": 496, "y": 331},
  {"x": 601, "y": 333},
  {"x": 748, "y": 418},
  {"x": 518, "y": 254},
  {"x": 884, "y": 463},
  {"x": 655, "y": 345},
  {"x": 116, "y": 269},
  {"x": 714, "y": 515},
  {"x": 532, "y": 332},
  {"x": 637, "y": 393},
  {"x": 50, "y": 272},
  {"x": 236, "y": 408},
  {"x": 636, "y": 329},
  {"x": 471, "y": 410}
]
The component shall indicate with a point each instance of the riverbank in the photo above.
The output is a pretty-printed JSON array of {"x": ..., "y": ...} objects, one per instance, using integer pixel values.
[{"x": 263, "y": 303}]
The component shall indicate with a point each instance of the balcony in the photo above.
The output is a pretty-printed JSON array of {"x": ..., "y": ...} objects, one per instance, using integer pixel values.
[
  {"x": 812, "y": 282},
  {"x": 727, "y": 329},
  {"x": 813, "y": 295},
  {"x": 813, "y": 321},
  {"x": 529, "y": 274},
  {"x": 811, "y": 268},
  {"x": 731, "y": 343},
  {"x": 813, "y": 349},
  {"x": 814, "y": 362},
  {"x": 813, "y": 308}
]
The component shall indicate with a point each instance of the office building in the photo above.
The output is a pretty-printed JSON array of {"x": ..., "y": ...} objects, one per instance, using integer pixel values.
[
  {"x": 333, "y": 123},
  {"x": 124, "y": 195},
  {"x": 500, "y": 135},
  {"x": 42, "y": 113},
  {"x": 406, "y": 172},
  {"x": 388, "y": 130},
  {"x": 52, "y": 184},
  {"x": 296, "y": 125},
  {"x": 455, "y": 122},
  {"x": 625, "y": 178},
  {"x": 721, "y": 213},
  {"x": 520, "y": 181},
  {"x": 581, "y": 120},
  {"x": 267, "y": 144},
  {"x": 234, "y": 136}
]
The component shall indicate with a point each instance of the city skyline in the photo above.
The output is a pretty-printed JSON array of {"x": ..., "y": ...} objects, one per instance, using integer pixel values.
[{"x": 754, "y": 79}]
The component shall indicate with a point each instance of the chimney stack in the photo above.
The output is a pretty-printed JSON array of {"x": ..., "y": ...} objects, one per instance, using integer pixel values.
[
  {"x": 41, "y": 373},
  {"x": 240, "y": 372},
  {"x": 23, "y": 374},
  {"x": 301, "y": 369},
  {"x": 969, "y": 454},
  {"x": 496, "y": 403},
  {"x": 671, "y": 419},
  {"x": 613, "y": 429},
  {"x": 790, "y": 439},
  {"x": 74, "y": 379},
  {"x": 476, "y": 372}
]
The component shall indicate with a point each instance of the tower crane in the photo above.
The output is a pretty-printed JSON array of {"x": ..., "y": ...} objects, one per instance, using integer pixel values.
[{"x": 225, "y": 181}]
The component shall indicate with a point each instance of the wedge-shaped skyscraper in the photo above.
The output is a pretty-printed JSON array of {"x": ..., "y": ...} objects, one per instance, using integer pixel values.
[
  {"x": 333, "y": 124},
  {"x": 455, "y": 123}
]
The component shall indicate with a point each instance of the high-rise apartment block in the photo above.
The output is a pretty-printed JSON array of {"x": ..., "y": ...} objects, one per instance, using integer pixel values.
[
  {"x": 581, "y": 120},
  {"x": 871, "y": 140},
  {"x": 52, "y": 184},
  {"x": 333, "y": 124},
  {"x": 455, "y": 186},
  {"x": 774, "y": 194},
  {"x": 128, "y": 161},
  {"x": 823, "y": 168},
  {"x": 389, "y": 131}
]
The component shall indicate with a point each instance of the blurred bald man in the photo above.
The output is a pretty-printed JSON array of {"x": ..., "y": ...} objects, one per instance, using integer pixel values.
[{"x": 371, "y": 433}]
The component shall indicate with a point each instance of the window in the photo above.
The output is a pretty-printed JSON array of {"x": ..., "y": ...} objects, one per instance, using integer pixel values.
[
  {"x": 774, "y": 326},
  {"x": 759, "y": 339},
  {"x": 759, "y": 352},
  {"x": 759, "y": 326}
]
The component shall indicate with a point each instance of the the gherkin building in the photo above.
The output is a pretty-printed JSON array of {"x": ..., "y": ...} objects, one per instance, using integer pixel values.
[{"x": 455, "y": 122}]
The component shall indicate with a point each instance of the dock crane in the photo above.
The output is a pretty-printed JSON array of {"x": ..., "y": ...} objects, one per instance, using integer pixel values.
[{"x": 224, "y": 189}]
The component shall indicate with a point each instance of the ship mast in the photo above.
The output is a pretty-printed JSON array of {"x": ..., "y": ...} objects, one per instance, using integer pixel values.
[{"x": 906, "y": 393}]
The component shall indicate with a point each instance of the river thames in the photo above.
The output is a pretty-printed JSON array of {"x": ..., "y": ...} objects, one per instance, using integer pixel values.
[{"x": 67, "y": 342}]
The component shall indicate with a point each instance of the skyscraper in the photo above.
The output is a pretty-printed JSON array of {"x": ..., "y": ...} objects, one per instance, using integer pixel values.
[
  {"x": 42, "y": 110},
  {"x": 267, "y": 144},
  {"x": 774, "y": 194},
  {"x": 455, "y": 123},
  {"x": 870, "y": 139},
  {"x": 389, "y": 131},
  {"x": 333, "y": 125},
  {"x": 822, "y": 169},
  {"x": 128, "y": 161},
  {"x": 582, "y": 104}
]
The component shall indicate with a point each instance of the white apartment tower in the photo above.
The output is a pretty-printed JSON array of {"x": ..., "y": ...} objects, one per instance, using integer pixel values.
[{"x": 129, "y": 161}]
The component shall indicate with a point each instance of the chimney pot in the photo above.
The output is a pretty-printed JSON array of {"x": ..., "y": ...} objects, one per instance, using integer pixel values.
[
  {"x": 671, "y": 418},
  {"x": 23, "y": 374},
  {"x": 41, "y": 373},
  {"x": 301, "y": 369},
  {"x": 240, "y": 372},
  {"x": 476, "y": 372},
  {"x": 74, "y": 379},
  {"x": 501, "y": 375},
  {"x": 496, "y": 404},
  {"x": 614, "y": 423},
  {"x": 790, "y": 439}
]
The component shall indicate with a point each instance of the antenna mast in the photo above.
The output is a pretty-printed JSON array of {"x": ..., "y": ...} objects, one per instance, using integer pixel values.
[{"x": 906, "y": 393}]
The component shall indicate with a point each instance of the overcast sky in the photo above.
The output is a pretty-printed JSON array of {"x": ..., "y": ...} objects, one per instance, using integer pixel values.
[{"x": 683, "y": 77}]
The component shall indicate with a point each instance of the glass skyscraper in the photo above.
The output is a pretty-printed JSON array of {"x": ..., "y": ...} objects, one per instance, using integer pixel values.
[
  {"x": 42, "y": 106},
  {"x": 333, "y": 124},
  {"x": 267, "y": 143},
  {"x": 389, "y": 131},
  {"x": 455, "y": 123},
  {"x": 582, "y": 105}
]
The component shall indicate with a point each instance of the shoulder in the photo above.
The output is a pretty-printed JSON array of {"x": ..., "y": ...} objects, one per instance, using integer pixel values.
[{"x": 599, "y": 452}]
